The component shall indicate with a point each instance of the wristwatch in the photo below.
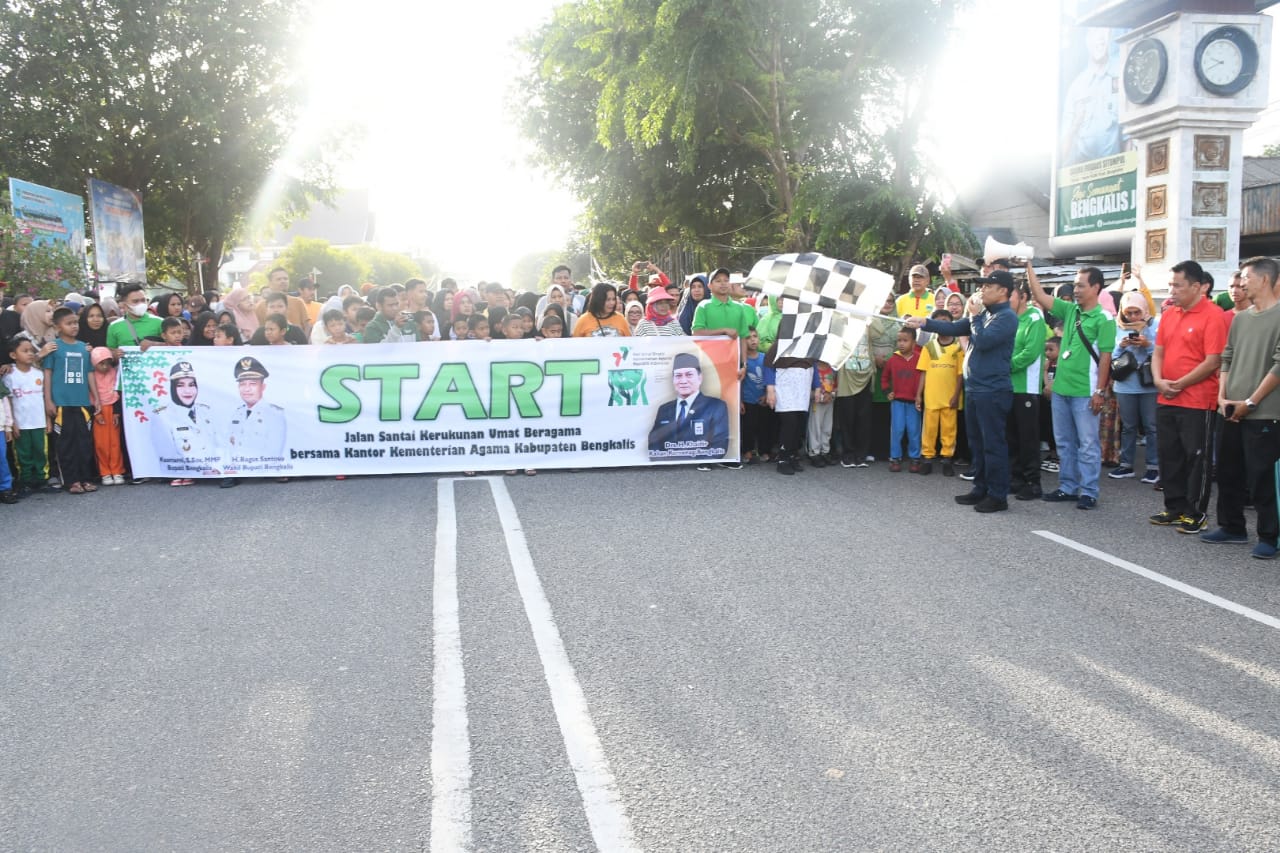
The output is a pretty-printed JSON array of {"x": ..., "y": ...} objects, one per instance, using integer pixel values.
[
  {"x": 1250, "y": 405},
  {"x": 1099, "y": 393}
]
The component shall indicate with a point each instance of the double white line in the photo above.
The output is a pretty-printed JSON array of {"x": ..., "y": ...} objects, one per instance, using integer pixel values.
[{"x": 450, "y": 742}]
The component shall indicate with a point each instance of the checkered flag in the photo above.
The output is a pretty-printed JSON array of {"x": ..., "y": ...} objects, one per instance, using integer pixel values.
[{"x": 826, "y": 303}]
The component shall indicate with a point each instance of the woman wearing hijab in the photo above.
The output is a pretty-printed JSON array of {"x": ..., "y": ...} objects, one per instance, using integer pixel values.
[
  {"x": 93, "y": 326},
  {"x": 601, "y": 319},
  {"x": 693, "y": 294},
  {"x": 1136, "y": 334},
  {"x": 556, "y": 296},
  {"x": 659, "y": 321},
  {"x": 37, "y": 322},
  {"x": 169, "y": 305},
  {"x": 634, "y": 313}
]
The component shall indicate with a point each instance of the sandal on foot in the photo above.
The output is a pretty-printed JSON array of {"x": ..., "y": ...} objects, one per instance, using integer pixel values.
[
  {"x": 75, "y": 489},
  {"x": 89, "y": 487},
  {"x": 531, "y": 472}
]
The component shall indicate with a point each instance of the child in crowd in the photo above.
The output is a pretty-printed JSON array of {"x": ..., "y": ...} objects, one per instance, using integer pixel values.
[
  {"x": 227, "y": 335},
  {"x": 756, "y": 416},
  {"x": 7, "y": 433},
  {"x": 26, "y": 394},
  {"x": 900, "y": 379},
  {"x": 273, "y": 330},
  {"x": 68, "y": 398},
  {"x": 335, "y": 327},
  {"x": 820, "y": 414},
  {"x": 459, "y": 332},
  {"x": 108, "y": 447},
  {"x": 939, "y": 397},
  {"x": 552, "y": 326},
  {"x": 363, "y": 317},
  {"x": 477, "y": 327},
  {"x": 425, "y": 322},
  {"x": 1051, "y": 347},
  {"x": 172, "y": 332},
  {"x": 513, "y": 327},
  {"x": 789, "y": 384}
]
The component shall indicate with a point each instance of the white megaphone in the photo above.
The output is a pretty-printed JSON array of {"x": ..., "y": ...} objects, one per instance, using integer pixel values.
[{"x": 994, "y": 250}]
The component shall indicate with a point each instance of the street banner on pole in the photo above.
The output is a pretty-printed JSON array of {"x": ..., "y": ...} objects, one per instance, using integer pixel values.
[{"x": 52, "y": 215}]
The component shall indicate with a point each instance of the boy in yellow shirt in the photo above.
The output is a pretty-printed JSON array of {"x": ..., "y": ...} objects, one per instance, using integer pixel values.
[{"x": 938, "y": 397}]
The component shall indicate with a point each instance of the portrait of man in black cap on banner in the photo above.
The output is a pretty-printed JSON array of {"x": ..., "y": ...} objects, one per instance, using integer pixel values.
[
  {"x": 257, "y": 428},
  {"x": 693, "y": 425}
]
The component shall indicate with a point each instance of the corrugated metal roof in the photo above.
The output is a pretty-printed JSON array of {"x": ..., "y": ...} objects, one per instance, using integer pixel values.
[{"x": 1261, "y": 171}]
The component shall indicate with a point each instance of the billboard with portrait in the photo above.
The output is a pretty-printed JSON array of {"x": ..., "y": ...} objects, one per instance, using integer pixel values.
[
  {"x": 119, "y": 249},
  {"x": 1095, "y": 175}
]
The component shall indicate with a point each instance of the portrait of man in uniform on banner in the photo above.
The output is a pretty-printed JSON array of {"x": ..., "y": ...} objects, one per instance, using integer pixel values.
[
  {"x": 257, "y": 427},
  {"x": 693, "y": 425}
]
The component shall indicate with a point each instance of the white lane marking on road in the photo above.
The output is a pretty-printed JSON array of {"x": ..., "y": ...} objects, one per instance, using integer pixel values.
[
  {"x": 606, "y": 816},
  {"x": 1187, "y": 589},
  {"x": 450, "y": 743}
]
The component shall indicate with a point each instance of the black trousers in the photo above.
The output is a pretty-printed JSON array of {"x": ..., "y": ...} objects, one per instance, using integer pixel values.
[
  {"x": 853, "y": 423},
  {"x": 790, "y": 434},
  {"x": 1024, "y": 442},
  {"x": 75, "y": 446},
  {"x": 1185, "y": 439},
  {"x": 1247, "y": 456},
  {"x": 757, "y": 428}
]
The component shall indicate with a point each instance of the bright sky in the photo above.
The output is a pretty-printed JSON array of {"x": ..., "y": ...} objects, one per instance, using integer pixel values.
[{"x": 446, "y": 165}]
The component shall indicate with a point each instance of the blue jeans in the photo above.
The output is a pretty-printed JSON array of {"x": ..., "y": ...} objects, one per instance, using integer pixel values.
[
  {"x": 6, "y": 478},
  {"x": 903, "y": 417},
  {"x": 1137, "y": 409},
  {"x": 1075, "y": 430},
  {"x": 987, "y": 418}
]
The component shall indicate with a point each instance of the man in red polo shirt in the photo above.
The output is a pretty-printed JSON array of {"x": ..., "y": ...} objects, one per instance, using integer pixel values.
[{"x": 1185, "y": 368}]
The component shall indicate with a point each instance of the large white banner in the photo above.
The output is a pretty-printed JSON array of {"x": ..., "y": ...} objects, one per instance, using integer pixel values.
[{"x": 438, "y": 406}]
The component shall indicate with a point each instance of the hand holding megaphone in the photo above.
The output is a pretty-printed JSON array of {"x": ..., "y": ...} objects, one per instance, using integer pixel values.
[{"x": 994, "y": 250}]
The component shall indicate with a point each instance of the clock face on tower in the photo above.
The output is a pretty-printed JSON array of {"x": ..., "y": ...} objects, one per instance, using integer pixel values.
[
  {"x": 1145, "y": 70},
  {"x": 1226, "y": 60}
]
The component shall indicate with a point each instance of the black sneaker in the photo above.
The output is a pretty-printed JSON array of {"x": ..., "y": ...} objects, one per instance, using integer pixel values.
[
  {"x": 948, "y": 469},
  {"x": 969, "y": 475},
  {"x": 785, "y": 467},
  {"x": 228, "y": 483},
  {"x": 1164, "y": 518},
  {"x": 970, "y": 499},
  {"x": 926, "y": 468},
  {"x": 1028, "y": 493},
  {"x": 848, "y": 462},
  {"x": 1057, "y": 496},
  {"x": 1192, "y": 523},
  {"x": 1122, "y": 472},
  {"x": 818, "y": 461},
  {"x": 732, "y": 466},
  {"x": 8, "y": 497},
  {"x": 990, "y": 504}
]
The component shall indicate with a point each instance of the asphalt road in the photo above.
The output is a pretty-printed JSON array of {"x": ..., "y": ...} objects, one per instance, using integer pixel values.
[{"x": 679, "y": 661}]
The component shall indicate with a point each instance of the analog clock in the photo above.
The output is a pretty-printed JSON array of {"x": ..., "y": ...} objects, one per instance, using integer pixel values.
[
  {"x": 1144, "y": 71},
  {"x": 1226, "y": 60}
]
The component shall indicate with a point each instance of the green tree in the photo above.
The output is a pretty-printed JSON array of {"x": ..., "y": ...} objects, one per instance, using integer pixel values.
[
  {"x": 336, "y": 267},
  {"x": 706, "y": 123},
  {"x": 385, "y": 267},
  {"x": 1271, "y": 150},
  {"x": 191, "y": 104}
]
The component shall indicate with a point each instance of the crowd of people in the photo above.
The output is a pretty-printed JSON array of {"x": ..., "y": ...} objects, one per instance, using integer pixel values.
[{"x": 1003, "y": 387}]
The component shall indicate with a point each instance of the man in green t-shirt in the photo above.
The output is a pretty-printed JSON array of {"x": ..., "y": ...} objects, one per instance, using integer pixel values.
[
  {"x": 720, "y": 315},
  {"x": 136, "y": 324},
  {"x": 1079, "y": 385}
]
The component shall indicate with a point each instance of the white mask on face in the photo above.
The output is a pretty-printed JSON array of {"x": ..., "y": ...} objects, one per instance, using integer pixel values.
[{"x": 138, "y": 309}]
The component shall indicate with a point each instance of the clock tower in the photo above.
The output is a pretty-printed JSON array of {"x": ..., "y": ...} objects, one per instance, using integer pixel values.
[{"x": 1192, "y": 82}]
